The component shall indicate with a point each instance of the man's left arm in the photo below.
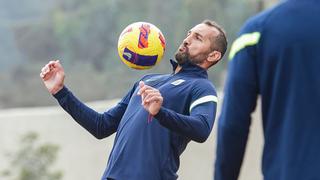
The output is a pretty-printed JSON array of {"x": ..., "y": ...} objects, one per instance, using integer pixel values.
[{"x": 196, "y": 126}]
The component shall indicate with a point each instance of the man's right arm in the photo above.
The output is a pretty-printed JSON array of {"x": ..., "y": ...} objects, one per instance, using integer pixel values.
[{"x": 99, "y": 125}]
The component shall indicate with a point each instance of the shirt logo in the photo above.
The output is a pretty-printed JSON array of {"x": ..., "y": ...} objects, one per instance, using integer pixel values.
[
  {"x": 177, "y": 82},
  {"x": 152, "y": 79}
]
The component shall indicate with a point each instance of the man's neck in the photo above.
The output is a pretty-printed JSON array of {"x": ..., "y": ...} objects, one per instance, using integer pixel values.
[{"x": 178, "y": 68}]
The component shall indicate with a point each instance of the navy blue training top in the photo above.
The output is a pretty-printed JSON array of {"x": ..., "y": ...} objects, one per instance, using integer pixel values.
[
  {"x": 150, "y": 150},
  {"x": 276, "y": 56}
]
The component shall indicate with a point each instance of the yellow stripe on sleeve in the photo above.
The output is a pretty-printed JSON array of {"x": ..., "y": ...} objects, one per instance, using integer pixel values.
[{"x": 249, "y": 39}]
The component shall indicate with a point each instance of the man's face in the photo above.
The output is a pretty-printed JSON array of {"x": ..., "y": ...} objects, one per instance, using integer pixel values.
[{"x": 197, "y": 45}]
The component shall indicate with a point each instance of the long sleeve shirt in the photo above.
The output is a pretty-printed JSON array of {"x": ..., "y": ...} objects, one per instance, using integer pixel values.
[{"x": 144, "y": 149}]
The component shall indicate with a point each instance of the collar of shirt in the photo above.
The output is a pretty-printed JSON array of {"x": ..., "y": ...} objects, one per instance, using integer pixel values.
[{"x": 190, "y": 68}]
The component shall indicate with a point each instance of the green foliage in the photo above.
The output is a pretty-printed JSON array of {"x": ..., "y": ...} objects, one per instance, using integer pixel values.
[
  {"x": 83, "y": 34},
  {"x": 86, "y": 33},
  {"x": 33, "y": 161}
]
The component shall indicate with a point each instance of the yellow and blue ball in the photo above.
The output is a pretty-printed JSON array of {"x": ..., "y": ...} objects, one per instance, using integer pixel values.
[{"x": 141, "y": 45}]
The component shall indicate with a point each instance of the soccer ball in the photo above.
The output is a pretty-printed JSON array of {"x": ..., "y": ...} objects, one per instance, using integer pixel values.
[{"x": 141, "y": 45}]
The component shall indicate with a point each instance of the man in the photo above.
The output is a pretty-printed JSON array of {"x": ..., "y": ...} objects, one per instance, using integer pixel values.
[
  {"x": 276, "y": 56},
  {"x": 161, "y": 113}
]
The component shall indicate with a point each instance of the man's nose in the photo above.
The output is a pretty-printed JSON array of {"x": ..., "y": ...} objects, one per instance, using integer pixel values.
[{"x": 186, "y": 41}]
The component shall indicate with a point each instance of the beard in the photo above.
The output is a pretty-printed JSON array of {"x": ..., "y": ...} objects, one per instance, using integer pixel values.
[{"x": 184, "y": 56}]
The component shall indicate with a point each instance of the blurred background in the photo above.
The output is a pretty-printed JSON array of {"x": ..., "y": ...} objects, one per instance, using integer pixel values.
[{"x": 37, "y": 139}]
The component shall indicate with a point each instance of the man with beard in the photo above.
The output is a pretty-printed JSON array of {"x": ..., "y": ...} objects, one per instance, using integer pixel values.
[{"x": 161, "y": 113}]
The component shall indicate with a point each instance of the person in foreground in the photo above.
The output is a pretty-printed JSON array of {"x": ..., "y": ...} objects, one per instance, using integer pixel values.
[
  {"x": 159, "y": 116},
  {"x": 276, "y": 56}
]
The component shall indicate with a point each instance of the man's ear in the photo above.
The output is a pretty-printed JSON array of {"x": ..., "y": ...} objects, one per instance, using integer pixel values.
[{"x": 214, "y": 56}]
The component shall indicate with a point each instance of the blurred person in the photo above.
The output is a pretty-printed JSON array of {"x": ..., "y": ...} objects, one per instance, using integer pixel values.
[
  {"x": 276, "y": 56},
  {"x": 159, "y": 116}
]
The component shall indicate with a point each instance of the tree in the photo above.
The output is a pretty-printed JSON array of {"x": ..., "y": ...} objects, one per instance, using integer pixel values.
[{"x": 32, "y": 161}]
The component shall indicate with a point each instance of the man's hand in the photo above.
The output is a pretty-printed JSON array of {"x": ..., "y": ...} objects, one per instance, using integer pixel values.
[
  {"x": 52, "y": 75},
  {"x": 151, "y": 98}
]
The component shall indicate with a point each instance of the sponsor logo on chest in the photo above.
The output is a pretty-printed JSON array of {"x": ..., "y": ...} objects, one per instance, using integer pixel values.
[{"x": 178, "y": 82}]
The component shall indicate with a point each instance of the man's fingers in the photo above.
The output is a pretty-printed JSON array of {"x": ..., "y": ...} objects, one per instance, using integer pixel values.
[
  {"x": 57, "y": 65},
  {"x": 50, "y": 66},
  {"x": 143, "y": 87},
  {"x": 51, "y": 62},
  {"x": 47, "y": 69},
  {"x": 148, "y": 91},
  {"x": 141, "y": 84},
  {"x": 155, "y": 98},
  {"x": 149, "y": 95},
  {"x": 44, "y": 76},
  {"x": 44, "y": 69}
]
